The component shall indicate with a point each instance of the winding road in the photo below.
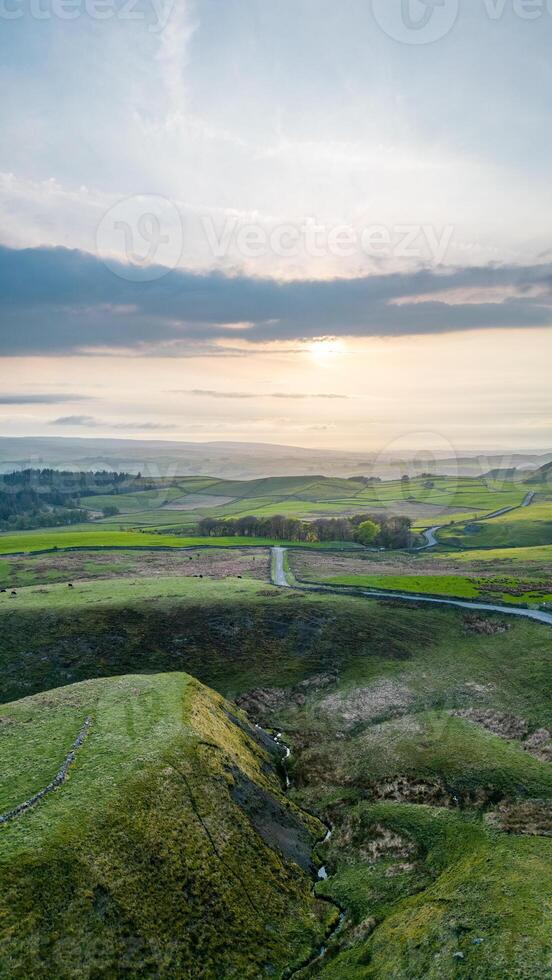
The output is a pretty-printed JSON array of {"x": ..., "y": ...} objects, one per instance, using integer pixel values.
[
  {"x": 280, "y": 579},
  {"x": 430, "y": 532}
]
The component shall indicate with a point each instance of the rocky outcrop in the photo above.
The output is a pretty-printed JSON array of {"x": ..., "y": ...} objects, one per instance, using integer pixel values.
[
  {"x": 538, "y": 743},
  {"x": 263, "y": 700},
  {"x": 498, "y": 722},
  {"x": 530, "y": 817}
]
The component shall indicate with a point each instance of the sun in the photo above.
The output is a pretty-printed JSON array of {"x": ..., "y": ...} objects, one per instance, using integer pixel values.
[{"x": 324, "y": 351}]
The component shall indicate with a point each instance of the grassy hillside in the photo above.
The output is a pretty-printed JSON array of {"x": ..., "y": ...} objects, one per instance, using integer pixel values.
[
  {"x": 542, "y": 478},
  {"x": 423, "y": 736},
  {"x": 443, "y": 897},
  {"x": 168, "y": 851},
  {"x": 525, "y": 527},
  {"x": 232, "y": 634},
  {"x": 429, "y": 769}
]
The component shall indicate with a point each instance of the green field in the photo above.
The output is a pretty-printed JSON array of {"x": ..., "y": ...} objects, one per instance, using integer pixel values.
[
  {"x": 307, "y": 497},
  {"x": 147, "y": 520},
  {"x": 525, "y": 527},
  {"x": 540, "y": 554},
  {"x": 500, "y": 589},
  {"x": 27, "y": 542}
]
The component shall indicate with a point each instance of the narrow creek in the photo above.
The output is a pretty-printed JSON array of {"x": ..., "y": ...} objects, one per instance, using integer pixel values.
[{"x": 321, "y": 875}]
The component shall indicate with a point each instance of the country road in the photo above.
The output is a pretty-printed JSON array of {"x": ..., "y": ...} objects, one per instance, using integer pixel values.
[
  {"x": 430, "y": 532},
  {"x": 279, "y": 578},
  {"x": 278, "y": 571}
]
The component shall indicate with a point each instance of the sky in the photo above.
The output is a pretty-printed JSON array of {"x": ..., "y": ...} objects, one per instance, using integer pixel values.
[{"x": 304, "y": 223}]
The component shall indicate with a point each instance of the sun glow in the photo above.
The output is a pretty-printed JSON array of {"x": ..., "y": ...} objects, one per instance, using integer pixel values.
[{"x": 324, "y": 351}]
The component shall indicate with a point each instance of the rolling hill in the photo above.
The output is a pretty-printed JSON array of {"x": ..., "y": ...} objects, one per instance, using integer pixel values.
[{"x": 167, "y": 849}]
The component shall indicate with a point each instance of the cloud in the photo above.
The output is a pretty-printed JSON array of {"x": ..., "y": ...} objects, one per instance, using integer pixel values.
[
  {"x": 211, "y": 393},
  {"x": 142, "y": 426},
  {"x": 57, "y": 301},
  {"x": 89, "y": 422},
  {"x": 42, "y": 399}
]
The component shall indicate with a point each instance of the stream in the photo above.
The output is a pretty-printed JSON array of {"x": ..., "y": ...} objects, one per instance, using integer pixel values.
[{"x": 322, "y": 875}]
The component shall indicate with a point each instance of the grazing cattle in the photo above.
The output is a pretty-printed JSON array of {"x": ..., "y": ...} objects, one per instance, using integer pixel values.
[
  {"x": 69, "y": 585},
  {"x": 14, "y": 593},
  {"x": 2, "y": 590}
]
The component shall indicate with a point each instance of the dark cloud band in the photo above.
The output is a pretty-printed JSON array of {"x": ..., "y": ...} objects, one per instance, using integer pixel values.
[{"x": 58, "y": 300}]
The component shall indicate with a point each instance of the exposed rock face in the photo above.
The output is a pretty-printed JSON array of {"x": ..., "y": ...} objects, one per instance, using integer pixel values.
[
  {"x": 385, "y": 843},
  {"x": 430, "y": 792},
  {"x": 280, "y": 828},
  {"x": 539, "y": 744},
  {"x": 262, "y": 701}
]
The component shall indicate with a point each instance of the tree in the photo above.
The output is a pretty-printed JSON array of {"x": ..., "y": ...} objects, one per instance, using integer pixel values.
[
  {"x": 367, "y": 532},
  {"x": 110, "y": 510}
]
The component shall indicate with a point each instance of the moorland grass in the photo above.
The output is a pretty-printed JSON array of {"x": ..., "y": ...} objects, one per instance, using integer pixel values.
[
  {"x": 143, "y": 862},
  {"x": 469, "y": 903}
]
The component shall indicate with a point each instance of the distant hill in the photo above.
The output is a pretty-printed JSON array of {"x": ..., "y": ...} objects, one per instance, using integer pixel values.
[
  {"x": 241, "y": 460},
  {"x": 542, "y": 475},
  {"x": 509, "y": 473},
  {"x": 168, "y": 850}
]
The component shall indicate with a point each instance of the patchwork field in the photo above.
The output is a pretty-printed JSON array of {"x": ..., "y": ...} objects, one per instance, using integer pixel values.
[{"x": 422, "y": 499}]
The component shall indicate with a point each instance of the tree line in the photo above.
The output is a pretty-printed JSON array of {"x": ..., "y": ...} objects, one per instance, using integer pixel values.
[
  {"x": 35, "y": 498},
  {"x": 374, "y": 530}
]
